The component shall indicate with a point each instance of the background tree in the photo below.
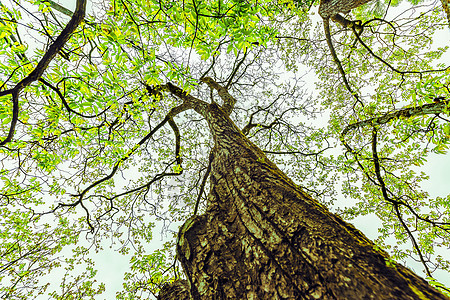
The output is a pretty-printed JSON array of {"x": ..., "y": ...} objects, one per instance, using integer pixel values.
[{"x": 80, "y": 114}]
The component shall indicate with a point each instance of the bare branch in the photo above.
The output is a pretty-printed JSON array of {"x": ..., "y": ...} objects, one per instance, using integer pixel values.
[{"x": 169, "y": 118}]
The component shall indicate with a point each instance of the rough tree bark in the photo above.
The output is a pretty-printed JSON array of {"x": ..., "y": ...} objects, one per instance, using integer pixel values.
[
  {"x": 263, "y": 237},
  {"x": 330, "y": 8}
]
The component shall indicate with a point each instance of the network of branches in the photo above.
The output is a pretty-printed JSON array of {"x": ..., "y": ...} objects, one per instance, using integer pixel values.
[{"x": 100, "y": 148}]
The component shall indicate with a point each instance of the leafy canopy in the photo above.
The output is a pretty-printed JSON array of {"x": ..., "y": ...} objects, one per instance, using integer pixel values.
[{"x": 95, "y": 153}]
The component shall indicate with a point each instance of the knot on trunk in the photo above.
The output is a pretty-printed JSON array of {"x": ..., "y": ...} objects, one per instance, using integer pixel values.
[{"x": 178, "y": 290}]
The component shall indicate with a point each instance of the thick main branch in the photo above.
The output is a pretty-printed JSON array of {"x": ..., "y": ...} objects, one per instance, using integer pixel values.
[{"x": 408, "y": 112}]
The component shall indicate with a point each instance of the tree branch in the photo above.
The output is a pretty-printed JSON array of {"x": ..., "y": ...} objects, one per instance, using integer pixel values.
[
  {"x": 64, "y": 102},
  {"x": 190, "y": 101},
  {"x": 176, "y": 131},
  {"x": 174, "y": 111},
  {"x": 326, "y": 25},
  {"x": 230, "y": 80},
  {"x": 228, "y": 100},
  {"x": 395, "y": 203},
  {"x": 60, "y": 8},
  {"x": 426, "y": 109},
  {"x": 54, "y": 49},
  {"x": 358, "y": 37}
]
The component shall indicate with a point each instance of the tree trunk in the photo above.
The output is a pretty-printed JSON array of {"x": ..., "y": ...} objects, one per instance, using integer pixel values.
[
  {"x": 262, "y": 237},
  {"x": 330, "y": 8}
]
